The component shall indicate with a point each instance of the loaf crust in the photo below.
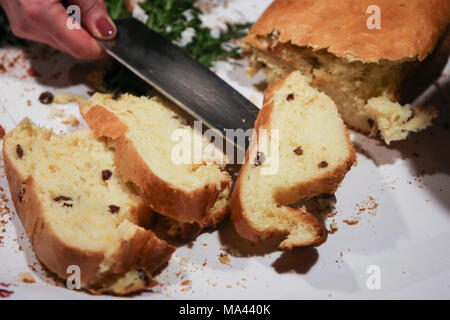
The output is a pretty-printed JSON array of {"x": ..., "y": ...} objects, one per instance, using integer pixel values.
[
  {"x": 325, "y": 184},
  {"x": 185, "y": 206},
  {"x": 409, "y": 28},
  {"x": 143, "y": 250}
]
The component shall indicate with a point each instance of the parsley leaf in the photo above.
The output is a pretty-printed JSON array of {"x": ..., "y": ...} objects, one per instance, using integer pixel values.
[{"x": 117, "y": 9}]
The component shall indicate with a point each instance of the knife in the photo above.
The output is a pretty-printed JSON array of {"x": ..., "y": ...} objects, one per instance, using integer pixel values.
[{"x": 183, "y": 80}]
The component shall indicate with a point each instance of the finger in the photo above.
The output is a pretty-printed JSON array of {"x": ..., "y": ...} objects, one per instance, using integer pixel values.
[
  {"x": 95, "y": 18},
  {"x": 73, "y": 40}
]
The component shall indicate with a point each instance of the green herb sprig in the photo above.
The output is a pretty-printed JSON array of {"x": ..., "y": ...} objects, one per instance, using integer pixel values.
[{"x": 117, "y": 9}]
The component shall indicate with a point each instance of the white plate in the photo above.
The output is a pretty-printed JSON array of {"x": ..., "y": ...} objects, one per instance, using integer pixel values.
[{"x": 402, "y": 234}]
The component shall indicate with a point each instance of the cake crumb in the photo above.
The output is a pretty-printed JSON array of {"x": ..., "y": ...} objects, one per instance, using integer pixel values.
[
  {"x": 333, "y": 227},
  {"x": 224, "y": 259},
  {"x": 63, "y": 98},
  {"x": 72, "y": 121},
  {"x": 56, "y": 113},
  {"x": 26, "y": 277},
  {"x": 184, "y": 262},
  {"x": 352, "y": 222},
  {"x": 186, "y": 283}
]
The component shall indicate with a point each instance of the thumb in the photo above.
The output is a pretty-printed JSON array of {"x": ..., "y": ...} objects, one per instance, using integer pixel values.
[{"x": 95, "y": 18}]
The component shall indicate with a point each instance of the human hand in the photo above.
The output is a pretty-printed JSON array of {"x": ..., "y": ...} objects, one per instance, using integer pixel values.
[{"x": 46, "y": 21}]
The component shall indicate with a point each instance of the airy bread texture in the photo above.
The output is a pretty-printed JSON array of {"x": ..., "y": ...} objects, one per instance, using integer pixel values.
[
  {"x": 78, "y": 212},
  {"x": 394, "y": 121},
  {"x": 350, "y": 63},
  {"x": 315, "y": 153},
  {"x": 191, "y": 192}
]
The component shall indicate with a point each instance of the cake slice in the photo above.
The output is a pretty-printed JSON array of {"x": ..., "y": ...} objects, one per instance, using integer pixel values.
[
  {"x": 309, "y": 147},
  {"x": 77, "y": 211},
  {"x": 191, "y": 191}
]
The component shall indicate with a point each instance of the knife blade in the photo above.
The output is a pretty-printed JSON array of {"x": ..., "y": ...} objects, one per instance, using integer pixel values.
[{"x": 187, "y": 83}]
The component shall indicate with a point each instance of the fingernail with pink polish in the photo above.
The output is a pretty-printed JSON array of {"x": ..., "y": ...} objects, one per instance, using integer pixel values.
[{"x": 106, "y": 28}]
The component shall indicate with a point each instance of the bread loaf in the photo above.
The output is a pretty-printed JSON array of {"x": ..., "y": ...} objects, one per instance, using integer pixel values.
[{"x": 330, "y": 42}]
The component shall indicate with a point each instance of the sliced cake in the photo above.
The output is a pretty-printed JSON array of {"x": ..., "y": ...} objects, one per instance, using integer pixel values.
[
  {"x": 300, "y": 135},
  {"x": 77, "y": 211},
  {"x": 145, "y": 131}
]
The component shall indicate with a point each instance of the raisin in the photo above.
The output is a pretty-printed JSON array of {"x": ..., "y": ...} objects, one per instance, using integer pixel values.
[
  {"x": 298, "y": 151},
  {"x": 371, "y": 122},
  {"x": 19, "y": 151},
  {"x": 46, "y": 97},
  {"x": 106, "y": 174},
  {"x": 290, "y": 97},
  {"x": 323, "y": 164},
  {"x": 69, "y": 205},
  {"x": 113, "y": 208},
  {"x": 21, "y": 194},
  {"x": 62, "y": 198},
  {"x": 144, "y": 276},
  {"x": 260, "y": 158}
]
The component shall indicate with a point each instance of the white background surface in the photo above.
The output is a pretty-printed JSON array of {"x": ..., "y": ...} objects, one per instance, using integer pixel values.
[{"x": 407, "y": 235}]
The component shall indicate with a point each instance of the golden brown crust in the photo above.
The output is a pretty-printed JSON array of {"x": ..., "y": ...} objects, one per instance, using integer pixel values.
[
  {"x": 164, "y": 198},
  {"x": 327, "y": 183},
  {"x": 409, "y": 28},
  {"x": 57, "y": 255},
  {"x": 106, "y": 123},
  {"x": 190, "y": 231},
  {"x": 143, "y": 250}
]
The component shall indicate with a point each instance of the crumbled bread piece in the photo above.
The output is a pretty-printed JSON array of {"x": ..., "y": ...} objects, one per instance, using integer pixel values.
[
  {"x": 63, "y": 98},
  {"x": 57, "y": 187},
  {"x": 394, "y": 121},
  {"x": 72, "y": 121},
  {"x": 56, "y": 113},
  {"x": 26, "y": 277},
  {"x": 306, "y": 120}
]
